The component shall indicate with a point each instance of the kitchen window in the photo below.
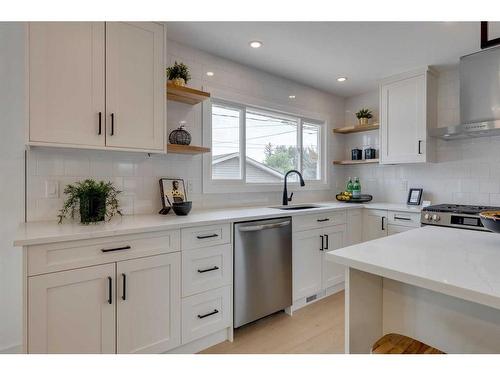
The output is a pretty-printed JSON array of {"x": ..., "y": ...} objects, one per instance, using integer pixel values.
[{"x": 252, "y": 148}]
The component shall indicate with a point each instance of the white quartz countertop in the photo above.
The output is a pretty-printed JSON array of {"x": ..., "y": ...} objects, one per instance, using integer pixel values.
[
  {"x": 457, "y": 262},
  {"x": 42, "y": 232}
]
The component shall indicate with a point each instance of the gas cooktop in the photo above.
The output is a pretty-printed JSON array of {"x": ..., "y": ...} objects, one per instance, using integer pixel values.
[
  {"x": 455, "y": 215},
  {"x": 459, "y": 208}
]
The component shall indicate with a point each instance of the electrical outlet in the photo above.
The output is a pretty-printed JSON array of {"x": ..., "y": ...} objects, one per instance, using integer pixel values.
[
  {"x": 404, "y": 185},
  {"x": 51, "y": 189},
  {"x": 189, "y": 186}
]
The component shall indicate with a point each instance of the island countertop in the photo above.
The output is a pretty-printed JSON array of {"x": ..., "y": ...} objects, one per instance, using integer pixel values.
[{"x": 455, "y": 262}]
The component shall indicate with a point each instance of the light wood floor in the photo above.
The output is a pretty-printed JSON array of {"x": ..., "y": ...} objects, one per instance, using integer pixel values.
[{"x": 315, "y": 329}]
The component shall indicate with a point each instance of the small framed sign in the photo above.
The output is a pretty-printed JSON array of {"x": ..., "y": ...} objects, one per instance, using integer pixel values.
[{"x": 414, "y": 197}]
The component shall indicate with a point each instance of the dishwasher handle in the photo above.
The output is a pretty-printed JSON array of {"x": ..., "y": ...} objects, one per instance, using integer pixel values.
[{"x": 255, "y": 228}]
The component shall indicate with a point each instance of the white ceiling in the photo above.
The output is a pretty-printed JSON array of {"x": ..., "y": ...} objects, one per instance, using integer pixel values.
[{"x": 316, "y": 53}]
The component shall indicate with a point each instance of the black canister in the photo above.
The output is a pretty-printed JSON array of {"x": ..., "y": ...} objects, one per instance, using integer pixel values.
[
  {"x": 357, "y": 154},
  {"x": 370, "y": 153}
]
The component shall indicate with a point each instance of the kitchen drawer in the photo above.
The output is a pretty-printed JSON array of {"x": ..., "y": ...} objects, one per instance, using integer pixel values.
[
  {"x": 206, "y": 268},
  {"x": 206, "y": 313},
  {"x": 319, "y": 220},
  {"x": 209, "y": 235},
  {"x": 75, "y": 254},
  {"x": 394, "y": 229},
  {"x": 406, "y": 219}
]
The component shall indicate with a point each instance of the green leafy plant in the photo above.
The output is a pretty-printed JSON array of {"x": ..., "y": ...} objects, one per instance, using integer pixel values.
[
  {"x": 94, "y": 201},
  {"x": 178, "y": 70},
  {"x": 364, "y": 113}
]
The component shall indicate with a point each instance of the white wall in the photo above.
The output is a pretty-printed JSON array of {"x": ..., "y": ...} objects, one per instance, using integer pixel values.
[
  {"x": 466, "y": 171},
  {"x": 12, "y": 179},
  {"x": 137, "y": 175}
]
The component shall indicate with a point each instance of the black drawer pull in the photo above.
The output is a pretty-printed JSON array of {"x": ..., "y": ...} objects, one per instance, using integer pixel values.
[
  {"x": 112, "y": 124},
  {"x": 207, "y": 236},
  {"x": 210, "y": 313},
  {"x": 322, "y": 220},
  {"x": 124, "y": 294},
  {"x": 110, "y": 290},
  {"x": 322, "y": 242},
  {"x": 402, "y": 218},
  {"x": 100, "y": 124},
  {"x": 208, "y": 269},
  {"x": 116, "y": 249},
  {"x": 326, "y": 237}
]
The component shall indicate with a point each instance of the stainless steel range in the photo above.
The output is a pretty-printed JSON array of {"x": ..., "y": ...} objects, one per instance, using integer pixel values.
[{"x": 455, "y": 216}]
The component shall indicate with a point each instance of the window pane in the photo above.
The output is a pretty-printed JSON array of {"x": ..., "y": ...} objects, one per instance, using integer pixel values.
[
  {"x": 311, "y": 141},
  {"x": 271, "y": 146},
  {"x": 225, "y": 143}
]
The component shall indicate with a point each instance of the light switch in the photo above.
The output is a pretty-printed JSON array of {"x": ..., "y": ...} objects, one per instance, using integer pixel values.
[{"x": 51, "y": 189}]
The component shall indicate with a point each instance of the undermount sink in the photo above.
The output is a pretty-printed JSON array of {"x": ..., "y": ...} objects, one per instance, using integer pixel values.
[{"x": 297, "y": 207}]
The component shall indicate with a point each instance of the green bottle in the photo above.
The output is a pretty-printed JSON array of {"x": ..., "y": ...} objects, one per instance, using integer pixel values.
[
  {"x": 356, "y": 188},
  {"x": 349, "y": 185}
]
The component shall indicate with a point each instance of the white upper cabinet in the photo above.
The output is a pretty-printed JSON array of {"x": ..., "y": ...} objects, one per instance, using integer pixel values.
[
  {"x": 407, "y": 111},
  {"x": 135, "y": 85},
  {"x": 97, "y": 85},
  {"x": 66, "y": 83}
]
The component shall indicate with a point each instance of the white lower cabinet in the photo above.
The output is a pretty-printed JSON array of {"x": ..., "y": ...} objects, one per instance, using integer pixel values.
[
  {"x": 206, "y": 313},
  {"x": 354, "y": 227},
  {"x": 394, "y": 229},
  {"x": 72, "y": 311},
  {"x": 333, "y": 273},
  {"x": 374, "y": 224},
  {"x": 148, "y": 304}
]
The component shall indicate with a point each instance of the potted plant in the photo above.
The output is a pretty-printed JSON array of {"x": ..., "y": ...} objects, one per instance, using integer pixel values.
[
  {"x": 94, "y": 201},
  {"x": 178, "y": 74},
  {"x": 363, "y": 116}
]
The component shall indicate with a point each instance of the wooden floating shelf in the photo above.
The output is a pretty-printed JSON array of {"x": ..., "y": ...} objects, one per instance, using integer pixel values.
[
  {"x": 185, "y": 94},
  {"x": 183, "y": 149},
  {"x": 355, "y": 129},
  {"x": 355, "y": 162}
]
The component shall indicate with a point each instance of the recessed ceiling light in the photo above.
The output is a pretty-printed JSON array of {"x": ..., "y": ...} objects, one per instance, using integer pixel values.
[
  {"x": 341, "y": 79},
  {"x": 291, "y": 96},
  {"x": 210, "y": 74},
  {"x": 255, "y": 44}
]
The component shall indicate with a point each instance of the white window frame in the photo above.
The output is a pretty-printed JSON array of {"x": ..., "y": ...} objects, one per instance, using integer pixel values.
[{"x": 240, "y": 185}]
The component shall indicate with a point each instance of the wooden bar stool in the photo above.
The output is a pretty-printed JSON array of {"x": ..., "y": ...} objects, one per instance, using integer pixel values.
[{"x": 392, "y": 343}]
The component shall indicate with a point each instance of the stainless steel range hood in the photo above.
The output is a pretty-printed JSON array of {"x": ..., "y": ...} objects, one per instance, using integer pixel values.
[{"x": 479, "y": 97}]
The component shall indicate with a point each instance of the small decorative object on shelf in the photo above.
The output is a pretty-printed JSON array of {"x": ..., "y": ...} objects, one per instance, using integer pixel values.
[
  {"x": 356, "y": 154},
  {"x": 93, "y": 201},
  {"x": 178, "y": 74},
  {"x": 363, "y": 116},
  {"x": 180, "y": 136},
  {"x": 173, "y": 195}
]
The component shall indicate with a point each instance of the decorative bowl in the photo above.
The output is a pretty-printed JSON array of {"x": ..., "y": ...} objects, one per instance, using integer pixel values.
[
  {"x": 491, "y": 220},
  {"x": 182, "y": 208}
]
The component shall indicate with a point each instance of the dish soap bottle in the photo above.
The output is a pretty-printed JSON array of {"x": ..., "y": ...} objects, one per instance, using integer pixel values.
[
  {"x": 349, "y": 185},
  {"x": 356, "y": 188}
]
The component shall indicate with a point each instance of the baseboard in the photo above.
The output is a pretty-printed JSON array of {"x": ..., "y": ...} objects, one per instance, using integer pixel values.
[
  {"x": 203, "y": 343},
  {"x": 16, "y": 349}
]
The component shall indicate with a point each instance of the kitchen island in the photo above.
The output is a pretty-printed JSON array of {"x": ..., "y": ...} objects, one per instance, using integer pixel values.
[{"x": 437, "y": 285}]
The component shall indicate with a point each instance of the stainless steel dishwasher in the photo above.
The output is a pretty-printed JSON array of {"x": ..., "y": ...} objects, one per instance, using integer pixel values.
[{"x": 262, "y": 268}]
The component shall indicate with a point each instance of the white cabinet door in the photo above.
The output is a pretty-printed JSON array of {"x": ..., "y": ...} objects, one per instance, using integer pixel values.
[
  {"x": 354, "y": 227},
  {"x": 72, "y": 311},
  {"x": 406, "y": 110},
  {"x": 66, "y": 83},
  {"x": 374, "y": 224},
  {"x": 334, "y": 238},
  {"x": 135, "y": 85},
  {"x": 149, "y": 304},
  {"x": 393, "y": 229},
  {"x": 307, "y": 263}
]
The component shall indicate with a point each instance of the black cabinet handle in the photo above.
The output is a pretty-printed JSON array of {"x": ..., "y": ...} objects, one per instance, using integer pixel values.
[
  {"x": 402, "y": 218},
  {"x": 383, "y": 219},
  {"x": 112, "y": 124},
  {"x": 322, "y": 220},
  {"x": 214, "y": 268},
  {"x": 116, "y": 249},
  {"x": 100, "y": 124},
  {"x": 207, "y": 236},
  {"x": 322, "y": 240},
  {"x": 110, "y": 290},
  {"x": 326, "y": 236},
  {"x": 210, "y": 313},
  {"x": 419, "y": 150},
  {"x": 124, "y": 291}
]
